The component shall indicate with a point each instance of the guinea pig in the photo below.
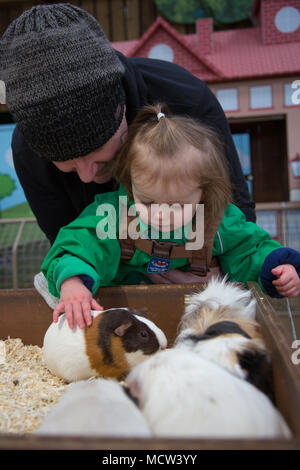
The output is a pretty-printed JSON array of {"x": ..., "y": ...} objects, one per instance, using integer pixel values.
[
  {"x": 95, "y": 407},
  {"x": 219, "y": 325},
  {"x": 220, "y": 299},
  {"x": 118, "y": 339},
  {"x": 184, "y": 395}
]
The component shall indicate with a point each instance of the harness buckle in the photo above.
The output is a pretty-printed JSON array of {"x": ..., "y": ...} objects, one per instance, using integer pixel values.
[
  {"x": 162, "y": 249},
  {"x": 199, "y": 270}
]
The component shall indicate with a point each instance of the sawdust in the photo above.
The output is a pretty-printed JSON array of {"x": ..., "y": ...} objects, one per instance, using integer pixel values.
[{"x": 27, "y": 389}]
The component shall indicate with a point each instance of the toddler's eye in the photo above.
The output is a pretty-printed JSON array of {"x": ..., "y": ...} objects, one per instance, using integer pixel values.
[{"x": 147, "y": 203}]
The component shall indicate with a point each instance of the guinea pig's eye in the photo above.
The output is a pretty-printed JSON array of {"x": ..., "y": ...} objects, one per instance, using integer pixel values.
[{"x": 144, "y": 334}]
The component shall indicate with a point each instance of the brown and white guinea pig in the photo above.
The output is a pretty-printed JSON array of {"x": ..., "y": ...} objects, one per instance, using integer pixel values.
[
  {"x": 219, "y": 325},
  {"x": 117, "y": 340},
  {"x": 95, "y": 407},
  {"x": 183, "y": 395}
]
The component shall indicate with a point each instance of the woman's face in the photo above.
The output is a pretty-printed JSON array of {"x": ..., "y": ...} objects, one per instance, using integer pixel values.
[
  {"x": 166, "y": 209},
  {"x": 97, "y": 166}
]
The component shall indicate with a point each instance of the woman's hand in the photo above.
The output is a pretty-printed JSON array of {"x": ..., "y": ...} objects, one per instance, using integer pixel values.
[
  {"x": 76, "y": 301},
  {"x": 287, "y": 282}
]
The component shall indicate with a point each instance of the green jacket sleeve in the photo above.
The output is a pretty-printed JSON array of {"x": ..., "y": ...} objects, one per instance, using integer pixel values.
[
  {"x": 242, "y": 246},
  {"x": 89, "y": 245}
]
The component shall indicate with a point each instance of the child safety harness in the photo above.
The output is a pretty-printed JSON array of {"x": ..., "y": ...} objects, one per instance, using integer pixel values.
[{"x": 200, "y": 259}]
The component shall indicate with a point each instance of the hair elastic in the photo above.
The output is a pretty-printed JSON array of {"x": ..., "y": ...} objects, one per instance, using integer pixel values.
[{"x": 160, "y": 115}]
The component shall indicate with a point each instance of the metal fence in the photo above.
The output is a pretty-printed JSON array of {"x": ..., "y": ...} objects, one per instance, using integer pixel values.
[
  {"x": 23, "y": 245},
  {"x": 282, "y": 221}
]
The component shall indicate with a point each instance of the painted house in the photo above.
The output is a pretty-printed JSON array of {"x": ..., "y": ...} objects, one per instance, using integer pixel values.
[{"x": 255, "y": 74}]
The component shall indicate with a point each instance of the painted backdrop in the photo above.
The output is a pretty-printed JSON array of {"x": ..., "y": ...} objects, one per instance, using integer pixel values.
[{"x": 11, "y": 192}]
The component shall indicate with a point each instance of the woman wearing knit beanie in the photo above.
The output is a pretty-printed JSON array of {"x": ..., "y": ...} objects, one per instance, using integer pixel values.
[{"x": 72, "y": 97}]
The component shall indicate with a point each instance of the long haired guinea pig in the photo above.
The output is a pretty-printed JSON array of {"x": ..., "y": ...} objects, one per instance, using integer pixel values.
[
  {"x": 118, "y": 339},
  {"x": 96, "y": 407},
  {"x": 219, "y": 325},
  {"x": 183, "y": 395}
]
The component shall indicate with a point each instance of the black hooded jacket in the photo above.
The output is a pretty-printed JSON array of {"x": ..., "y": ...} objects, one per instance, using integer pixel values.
[{"x": 57, "y": 198}]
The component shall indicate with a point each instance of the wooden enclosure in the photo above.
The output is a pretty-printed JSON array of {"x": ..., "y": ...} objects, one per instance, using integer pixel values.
[
  {"x": 121, "y": 20},
  {"x": 25, "y": 315}
]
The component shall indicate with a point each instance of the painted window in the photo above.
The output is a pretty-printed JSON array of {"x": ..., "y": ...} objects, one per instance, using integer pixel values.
[
  {"x": 292, "y": 93},
  {"x": 228, "y": 99},
  {"x": 261, "y": 97},
  {"x": 11, "y": 192},
  {"x": 287, "y": 20},
  {"x": 162, "y": 52}
]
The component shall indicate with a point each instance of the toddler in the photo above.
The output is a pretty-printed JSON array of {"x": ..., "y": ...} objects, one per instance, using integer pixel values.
[{"x": 163, "y": 195}]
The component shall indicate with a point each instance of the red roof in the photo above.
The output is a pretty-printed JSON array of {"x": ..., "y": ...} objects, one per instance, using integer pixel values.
[{"x": 237, "y": 54}]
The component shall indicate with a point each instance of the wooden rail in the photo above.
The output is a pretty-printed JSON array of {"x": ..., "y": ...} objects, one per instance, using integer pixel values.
[
  {"x": 24, "y": 314},
  {"x": 121, "y": 20}
]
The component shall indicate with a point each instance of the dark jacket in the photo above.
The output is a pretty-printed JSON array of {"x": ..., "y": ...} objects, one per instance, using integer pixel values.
[{"x": 57, "y": 198}]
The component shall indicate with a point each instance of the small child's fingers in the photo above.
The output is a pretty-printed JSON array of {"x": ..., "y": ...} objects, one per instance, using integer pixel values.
[
  {"x": 293, "y": 293},
  {"x": 292, "y": 289},
  {"x": 77, "y": 310},
  {"x": 285, "y": 292},
  {"x": 69, "y": 315},
  {"x": 95, "y": 305},
  {"x": 86, "y": 310},
  {"x": 284, "y": 279},
  {"x": 284, "y": 284},
  {"x": 56, "y": 312}
]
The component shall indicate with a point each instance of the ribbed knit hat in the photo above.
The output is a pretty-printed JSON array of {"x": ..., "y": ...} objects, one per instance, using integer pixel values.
[{"x": 63, "y": 81}]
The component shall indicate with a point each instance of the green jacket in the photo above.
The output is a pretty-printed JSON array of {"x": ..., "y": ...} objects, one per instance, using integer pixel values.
[{"x": 240, "y": 246}]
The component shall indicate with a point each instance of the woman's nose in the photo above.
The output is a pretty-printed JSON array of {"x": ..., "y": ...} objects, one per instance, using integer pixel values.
[{"x": 86, "y": 170}]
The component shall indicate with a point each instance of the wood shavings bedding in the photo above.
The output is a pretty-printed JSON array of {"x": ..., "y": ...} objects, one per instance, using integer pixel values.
[{"x": 27, "y": 389}]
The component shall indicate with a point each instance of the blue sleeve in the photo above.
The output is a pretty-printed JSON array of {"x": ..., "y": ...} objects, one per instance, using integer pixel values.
[
  {"x": 87, "y": 281},
  {"x": 274, "y": 259}
]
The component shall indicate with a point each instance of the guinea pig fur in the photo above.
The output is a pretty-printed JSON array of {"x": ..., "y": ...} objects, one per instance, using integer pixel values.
[
  {"x": 184, "y": 395},
  {"x": 221, "y": 297},
  {"x": 219, "y": 325},
  {"x": 117, "y": 340},
  {"x": 95, "y": 407}
]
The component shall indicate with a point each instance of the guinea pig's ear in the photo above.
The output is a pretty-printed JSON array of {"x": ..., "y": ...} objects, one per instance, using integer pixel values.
[
  {"x": 142, "y": 312},
  {"x": 121, "y": 330}
]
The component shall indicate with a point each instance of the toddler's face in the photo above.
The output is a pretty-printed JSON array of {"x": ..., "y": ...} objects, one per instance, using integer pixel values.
[{"x": 166, "y": 209}]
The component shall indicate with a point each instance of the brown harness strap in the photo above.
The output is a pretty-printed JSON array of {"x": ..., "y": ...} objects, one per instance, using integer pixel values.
[{"x": 200, "y": 260}]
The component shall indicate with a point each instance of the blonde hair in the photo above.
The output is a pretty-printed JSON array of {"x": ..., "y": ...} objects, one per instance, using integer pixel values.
[{"x": 155, "y": 149}]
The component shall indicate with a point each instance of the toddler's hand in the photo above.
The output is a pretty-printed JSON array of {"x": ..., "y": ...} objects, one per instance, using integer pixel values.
[
  {"x": 76, "y": 301},
  {"x": 287, "y": 283}
]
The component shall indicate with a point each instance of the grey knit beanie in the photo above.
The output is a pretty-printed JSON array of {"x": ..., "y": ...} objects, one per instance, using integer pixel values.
[{"x": 63, "y": 81}]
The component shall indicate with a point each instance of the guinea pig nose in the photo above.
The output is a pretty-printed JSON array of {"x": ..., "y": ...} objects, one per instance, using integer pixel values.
[{"x": 163, "y": 346}]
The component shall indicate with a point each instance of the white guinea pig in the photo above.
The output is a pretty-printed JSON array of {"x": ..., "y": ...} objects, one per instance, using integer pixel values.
[
  {"x": 219, "y": 325},
  {"x": 183, "y": 395},
  {"x": 96, "y": 407},
  {"x": 117, "y": 340}
]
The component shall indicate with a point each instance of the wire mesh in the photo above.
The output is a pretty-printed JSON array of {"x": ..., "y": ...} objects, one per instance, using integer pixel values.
[
  {"x": 282, "y": 224},
  {"x": 23, "y": 246}
]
